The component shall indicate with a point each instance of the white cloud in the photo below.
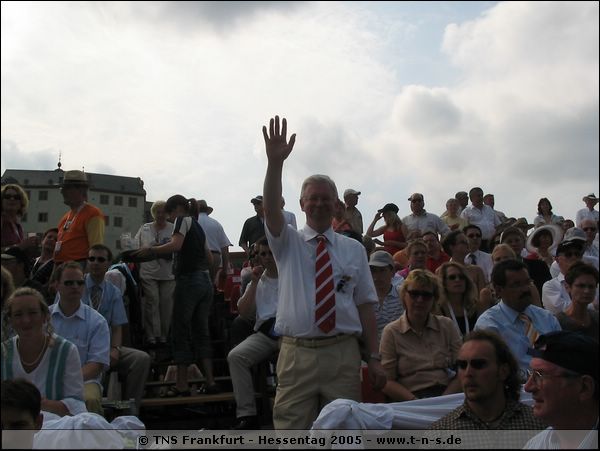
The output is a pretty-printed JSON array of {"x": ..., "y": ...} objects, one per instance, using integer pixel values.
[{"x": 177, "y": 94}]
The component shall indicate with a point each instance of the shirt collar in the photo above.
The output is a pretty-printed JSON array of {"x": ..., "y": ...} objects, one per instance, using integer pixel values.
[
  {"x": 423, "y": 213},
  {"x": 512, "y": 314},
  {"x": 309, "y": 233},
  {"x": 89, "y": 283},
  {"x": 405, "y": 326},
  {"x": 79, "y": 313}
]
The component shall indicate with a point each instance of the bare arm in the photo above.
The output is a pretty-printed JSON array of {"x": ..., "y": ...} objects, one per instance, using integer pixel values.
[
  {"x": 277, "y": 149},
  {"x": 91, "y": 370},
  {"x": 247, "y": 303},
  {"x": 369, "y": 327},
  {"x": 397, "y": 391},
  {"x": 116, "y": 339},
  {"x": 373, "y": 233},
  {"x": 56, "y": 407},
  {"x": 453, "y": 387}
]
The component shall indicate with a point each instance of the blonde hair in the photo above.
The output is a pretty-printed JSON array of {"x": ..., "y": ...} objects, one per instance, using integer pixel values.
[
  {"x": 422, "y": 277},
  {"x": 155, "y": 206},
  {"x": 503, "y": 247},
  {"x": 470, "y": 296},
  {"x": 19, "y": 293},
  {"x": 22, "y": 194}
]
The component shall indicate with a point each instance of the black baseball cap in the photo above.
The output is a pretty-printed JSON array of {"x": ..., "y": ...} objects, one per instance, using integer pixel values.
[{"x": 572, "y": 351}]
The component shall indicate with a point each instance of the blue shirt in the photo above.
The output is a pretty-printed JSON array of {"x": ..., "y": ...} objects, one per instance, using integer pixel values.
[
  {"x": 111, "y": 304},
  {"x": 87, "y": 329},
  {"x": 505, "y": 321}
]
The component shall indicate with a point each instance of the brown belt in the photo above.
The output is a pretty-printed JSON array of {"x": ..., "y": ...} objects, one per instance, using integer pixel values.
[{"x": 317, "y": 342}]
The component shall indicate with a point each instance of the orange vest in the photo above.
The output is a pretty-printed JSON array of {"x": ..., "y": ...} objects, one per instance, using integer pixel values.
[{"x": 72, "y": 234}]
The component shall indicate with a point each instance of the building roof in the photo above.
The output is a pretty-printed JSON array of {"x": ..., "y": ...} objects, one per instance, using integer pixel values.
[{"x": 98, "y": 182}]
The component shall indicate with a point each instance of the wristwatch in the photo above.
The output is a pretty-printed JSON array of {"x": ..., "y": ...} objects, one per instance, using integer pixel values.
[{"x": 375, "y": 356}]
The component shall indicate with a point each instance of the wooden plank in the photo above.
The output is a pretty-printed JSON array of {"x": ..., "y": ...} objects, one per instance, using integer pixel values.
[
  {"x": 187, "y": 400},
  {"x": 190, "y": 381}
]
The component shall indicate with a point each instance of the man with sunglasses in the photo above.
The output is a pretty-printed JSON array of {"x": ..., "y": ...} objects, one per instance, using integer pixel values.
[
  {"x": 489, "y": 375},
  {"x": 82, "y": 226},
  {"x": 590, "y": 228},
  {"x": 476, "y": 256},
  {"x": 85, "y": 328},
  {"x": 131, "y": 364},
  {"x": 259, "y": 303},
  {"x": 555, "y": 297},
  {"x": 514, "y": 318},
  {"x": 563, "y": 381}
]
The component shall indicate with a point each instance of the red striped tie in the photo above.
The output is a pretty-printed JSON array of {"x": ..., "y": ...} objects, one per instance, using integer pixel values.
[{"x": 325, "y": 294}]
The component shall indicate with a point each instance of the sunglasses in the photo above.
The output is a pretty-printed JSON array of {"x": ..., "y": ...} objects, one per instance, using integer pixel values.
[
  {"x": 455, "y": 277},
  {"x": 97, "y": 259},
  {"x": 415, "y": 294},
  {"x": 17, "y": 197},
  {"x": 70, "y": 283},
  {"x": 476, "y": 364}
]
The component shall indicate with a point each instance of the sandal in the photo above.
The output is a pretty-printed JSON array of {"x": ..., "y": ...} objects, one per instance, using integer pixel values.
[
  {"x": 209, "y": 389},
  {"x": 174, "y": 392}
]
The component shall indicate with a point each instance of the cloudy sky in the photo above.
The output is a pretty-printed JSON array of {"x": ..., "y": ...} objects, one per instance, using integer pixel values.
[{"x": 387, "y": 98}]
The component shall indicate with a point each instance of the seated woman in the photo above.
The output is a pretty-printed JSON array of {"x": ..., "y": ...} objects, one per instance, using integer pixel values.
[
  {"x": 419, "y": 348},
  {"x": 542, "y": 243},
  {"x": 36, "y": 354},
  {"x": 545, "y": 215},
  {"x": 394, "y": 231},
  {"x": 459, "y": 299},
  {"x": 581, "y": 284}
]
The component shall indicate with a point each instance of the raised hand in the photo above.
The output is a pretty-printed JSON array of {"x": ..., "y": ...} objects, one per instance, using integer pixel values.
[{"x": 276, "y": 144}]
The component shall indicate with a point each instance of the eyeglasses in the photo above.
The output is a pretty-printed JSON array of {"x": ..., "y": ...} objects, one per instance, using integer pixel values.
[
  {"x": 416, "y": 200},
  {"x": 539, "y": 378},
  {"x": 415, "y": 294},
  {"x": 455, "y": 277},
  {"x": 474, "y": 235},
  {"x": 98, "y": 259},
  {"x": 16, "y": 197},
  {"x": 589, "y": 229},
  {"x": 265, "y": 253},
  {"x": 70, "y": 283},
  {"x": 476, "y": 364}
]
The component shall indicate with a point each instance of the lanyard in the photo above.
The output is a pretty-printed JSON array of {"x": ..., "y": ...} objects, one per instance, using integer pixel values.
[{"x": 456, "y": 322}]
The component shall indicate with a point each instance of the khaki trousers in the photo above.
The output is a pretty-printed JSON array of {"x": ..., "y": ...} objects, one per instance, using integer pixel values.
[
  {"x": 311, "y": 374},
  {"x": 92, "y": 395}
]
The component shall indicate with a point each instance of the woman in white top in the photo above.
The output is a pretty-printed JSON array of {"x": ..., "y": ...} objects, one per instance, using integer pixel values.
[
  {"x": 36, "y": 354},
  {"x": 156, "y": 276},
  {"x": 545, "y": 215}
]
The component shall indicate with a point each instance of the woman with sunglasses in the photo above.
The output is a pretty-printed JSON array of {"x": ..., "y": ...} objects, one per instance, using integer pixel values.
[
  {"x": 581, "y": 282},
  {"x": 14, "y": 207},
  {"x": 37, "y": 354},
  {"x": 459, "y": 299},
  {"x": 419, "y": 348},
  {"x": 193, "y": 295},
  {"x": 394, "y": 231}
]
